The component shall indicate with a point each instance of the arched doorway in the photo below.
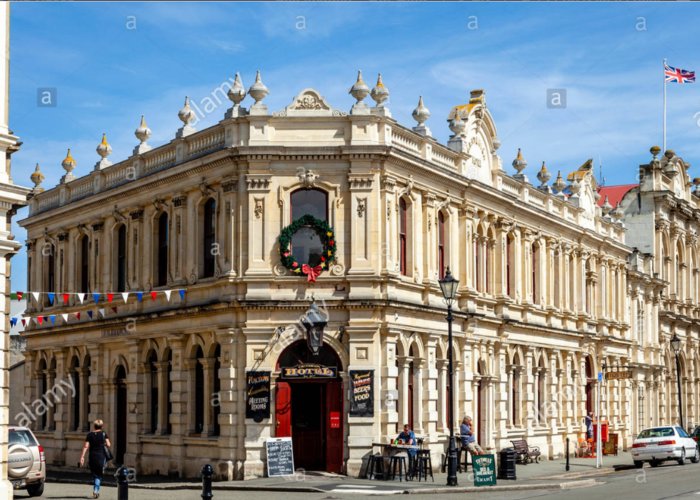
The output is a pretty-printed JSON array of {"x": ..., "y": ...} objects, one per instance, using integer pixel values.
[
  {"x": 590, "y": 380},
  {"x": 120, "y": 405},
  {"x": 309, "y": 406}
]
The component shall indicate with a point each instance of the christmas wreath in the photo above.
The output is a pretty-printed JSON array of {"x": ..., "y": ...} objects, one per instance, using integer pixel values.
[{"x": 324, "y": 231}]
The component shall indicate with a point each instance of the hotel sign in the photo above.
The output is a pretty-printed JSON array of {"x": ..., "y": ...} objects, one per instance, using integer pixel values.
[
  {"x": 621, "y": 375},
  {"x": 309, "y": 370}
]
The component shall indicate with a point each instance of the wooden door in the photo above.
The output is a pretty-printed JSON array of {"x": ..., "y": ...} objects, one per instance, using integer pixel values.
[
  {"x": 334, "y": 426},
  {"x": 309, "y": 425},
  {"x": 283, "y": 410}
]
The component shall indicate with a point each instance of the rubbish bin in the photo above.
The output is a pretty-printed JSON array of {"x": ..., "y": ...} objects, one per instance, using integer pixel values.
[{"x": 506, "y": 463}]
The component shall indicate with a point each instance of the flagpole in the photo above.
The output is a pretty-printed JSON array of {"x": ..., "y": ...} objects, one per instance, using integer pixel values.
[{"x": 664, "y": 127}]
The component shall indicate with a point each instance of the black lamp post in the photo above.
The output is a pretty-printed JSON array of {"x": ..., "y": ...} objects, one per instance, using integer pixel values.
[
  {"x": 448, "y": 285},
  {"x": 314, "y": 322},
  {"x": 676, "y": 346}
]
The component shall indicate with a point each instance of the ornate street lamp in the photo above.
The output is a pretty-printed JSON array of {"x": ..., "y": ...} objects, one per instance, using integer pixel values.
[
  {"x": 676, "y": 346},
  {"x": 314, "y": 322},
  {"x": 449, "y": 285}
]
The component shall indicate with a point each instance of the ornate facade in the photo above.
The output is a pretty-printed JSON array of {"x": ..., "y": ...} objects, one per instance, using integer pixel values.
[{"x": 543, "y": 301}]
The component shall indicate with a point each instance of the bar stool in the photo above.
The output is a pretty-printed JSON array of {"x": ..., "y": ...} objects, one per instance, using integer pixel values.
[
  {"x": 400, "y": 461},
  {"x": 375, "y": 466},
  {"x": 423, "y": 465},
  {"x": 463, "y": 450}
]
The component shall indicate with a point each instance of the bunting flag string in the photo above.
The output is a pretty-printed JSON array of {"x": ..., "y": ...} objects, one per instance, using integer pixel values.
[{"x": 73, "y": 317}]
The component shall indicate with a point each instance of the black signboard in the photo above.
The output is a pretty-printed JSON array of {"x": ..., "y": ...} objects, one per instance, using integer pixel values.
[
  {"x": 280, "y": 457},
  {"x": 362, "y": 396},
  {"x": 309, "y": 370},
  {"x": 257, "y": 395}
]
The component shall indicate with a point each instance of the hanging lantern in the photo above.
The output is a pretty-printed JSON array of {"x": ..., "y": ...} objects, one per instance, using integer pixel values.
[{"x": 314, "y": 322}]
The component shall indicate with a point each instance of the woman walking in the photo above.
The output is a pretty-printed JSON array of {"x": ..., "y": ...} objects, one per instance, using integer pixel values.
[{"x": 98, "y": 444}]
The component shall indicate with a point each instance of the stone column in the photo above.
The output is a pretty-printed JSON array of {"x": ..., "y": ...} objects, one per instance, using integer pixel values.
[
  {"x": 442, "y": 393},
  {"x": 135, "y": 239},
  {"x": 83, "y": 424},
  {"x": 419, "y": 418},
  {"x": 163, "y": 395},
  {"x": 404, "y": 365},
  {"x": 208, "y": 368}
]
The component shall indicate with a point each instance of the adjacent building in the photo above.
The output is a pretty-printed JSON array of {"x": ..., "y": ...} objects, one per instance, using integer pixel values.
[{"x": 173, "y": 291}]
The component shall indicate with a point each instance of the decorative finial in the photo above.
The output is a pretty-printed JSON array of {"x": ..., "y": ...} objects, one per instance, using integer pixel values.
[
  {"x": 458, "y": 126},
  {"x": 421, "y": 115},
  {"x": 380, "y": 93},
  {"x": 258, "y": 91},
  {"x": 104, "y": 150},
  {"x": 186, "y": 115},
  {"x": 519, "y": 163},
  {"x": 37, "y": 178},
  {"x": 669, "y": 153},
  {"x": 359, "y": 91},
  {"x": 142, "y": 133},
  {"x": 68, "y": 165},
  {"x": 607, "y": 207},
  {"x": 236, "y": 94},
  {"x": 559, "y": 184},
  {"x": 575, "y": 188},
  {"x": 543, "y": 176},
  {"x": 655, "y": 150}
]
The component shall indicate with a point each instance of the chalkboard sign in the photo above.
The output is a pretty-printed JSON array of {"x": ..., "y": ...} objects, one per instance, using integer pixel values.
[
  {"x": 257, "y": 395},
  {"x": 280, "y": 457},
  {"x": 362, "y": 393},
  {"x": 484, "y": 470}
]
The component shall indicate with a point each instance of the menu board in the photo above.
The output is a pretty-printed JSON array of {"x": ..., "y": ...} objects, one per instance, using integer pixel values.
[
  {"x": 257, "y": 395},
  {"x": 280, "y": 457},
  {"x": 362, "y": 393},
  {"x": 484, "y": 470}
]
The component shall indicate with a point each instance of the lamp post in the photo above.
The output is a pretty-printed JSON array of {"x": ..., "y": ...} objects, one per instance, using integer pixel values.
[
  {"x": 676, "y": 346},
  {"x": 448, "y": 285}
]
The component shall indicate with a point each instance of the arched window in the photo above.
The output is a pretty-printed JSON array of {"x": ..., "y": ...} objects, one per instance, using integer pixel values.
[
  {"x": 199, "y": 400},
  {"x": 309, "y": 201},
  {"x": 209, "y": 238},
  {"x": 75, "y": 400},
  {"x": 403, "y": 235},
  {"x": 510, "y": 259},
  {"x": 162, "y": 242},
  {"x": 441, "y": 245},
  {"x": 306, "y": 243},
  {"x": 84, "y": 264},
  {"x": 477, "y": 263},
  {"x": 152, "y": 367},
  {"x": 535, "y": 256},
  {"x": 640, "y": 321},
  {"x": 50, "y": 284},
  {"x": 121, "y": 259}
]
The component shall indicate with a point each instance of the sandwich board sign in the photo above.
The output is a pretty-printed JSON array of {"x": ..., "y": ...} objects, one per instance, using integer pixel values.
[
  {"x": 484, "y": 470},
  {"x": 280, "y": 457}
]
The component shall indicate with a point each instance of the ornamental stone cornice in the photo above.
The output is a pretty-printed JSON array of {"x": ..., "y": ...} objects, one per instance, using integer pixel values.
[
  {"x": 98, "y": 226},
  {"x": 136, "y": 215},
  {"x": 388, "y": 183},
  {"x": 259, "y": 183},
  {"x": 229, "y": 185},
  {"x": 179, "y": 201},
  {"x": 360, "y": 182}
]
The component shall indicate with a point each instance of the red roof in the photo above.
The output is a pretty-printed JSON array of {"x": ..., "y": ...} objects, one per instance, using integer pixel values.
[{"x": 614, "y": 193}]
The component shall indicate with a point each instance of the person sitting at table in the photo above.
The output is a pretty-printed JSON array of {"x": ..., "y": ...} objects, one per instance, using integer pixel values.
[
  {"x": 467, "y": 436},
  {"x": 408, "y": 437}
]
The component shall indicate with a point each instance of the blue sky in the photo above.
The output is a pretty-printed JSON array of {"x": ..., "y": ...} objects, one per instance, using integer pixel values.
[{"x": 112, "y": 62}]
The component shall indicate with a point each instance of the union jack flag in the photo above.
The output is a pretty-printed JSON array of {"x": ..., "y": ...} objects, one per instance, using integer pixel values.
[{"x": 678, "y": 75}]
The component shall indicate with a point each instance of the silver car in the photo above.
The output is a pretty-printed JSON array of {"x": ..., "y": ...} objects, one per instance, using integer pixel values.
[
  {"x": 659, "y": 444},
  {"x": 27, "y": 464}
]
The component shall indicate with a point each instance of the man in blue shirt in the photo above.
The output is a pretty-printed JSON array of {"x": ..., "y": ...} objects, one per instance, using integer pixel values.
[
  {"x": 467, "y": 437},
  {"x": 408, "y": 437}
]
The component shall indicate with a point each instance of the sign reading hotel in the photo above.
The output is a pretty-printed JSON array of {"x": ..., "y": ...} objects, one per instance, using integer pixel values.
[
  {"x": 362, "y": 396},
  {"x": 620, "y": 375},
  {"x": 257, "y": 395},
  {"x": 309, "y": 370}
]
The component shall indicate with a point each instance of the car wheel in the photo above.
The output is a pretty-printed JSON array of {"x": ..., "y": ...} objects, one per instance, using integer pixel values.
[
  {"x": 36, "y": 489},
  {"x": 681, "y": 461},
  {"x": 638, "y": 464},
  {"x": 654, "y": 463},
  {"x": 696, "y": 457}
]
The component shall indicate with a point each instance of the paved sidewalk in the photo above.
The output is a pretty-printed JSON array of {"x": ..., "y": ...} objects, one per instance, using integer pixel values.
[{"x": 548, "y": 474}]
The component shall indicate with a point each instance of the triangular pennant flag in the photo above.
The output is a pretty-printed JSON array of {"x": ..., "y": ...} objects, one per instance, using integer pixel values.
[
  {"x": 110, "y": 296},
  {"x": 13, "y": 321},
  {"x": 90, "y": 314},
  {"x": 24, "y": 322},
  {"x": 139, "y": 296},
  {"x": 102, "y": 312},
  {"x": 77, "y": 315},
  {"x": 125, "y": 296},
  {"x": 65, "y": 317},
  {"x": 65, "y": 298},
  {"x": 13, "y": 296},
  {"x": 167, "y": 294},
  {"x": 96, "y": 297},
  {"x": 81, "y": 297},
  {"x": 36, "y": 296},
  {"x": 40, "y": 319},
  {"x": 154, "y": 295},
  {"x": 20, "y": 295},
  {"x": 53, "y": 319},
  {"x": 182, "y": 294},
  {"x": 51, "y": 297}
]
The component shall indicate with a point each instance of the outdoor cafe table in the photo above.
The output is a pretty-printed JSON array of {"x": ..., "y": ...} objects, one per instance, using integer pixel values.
[{"x": 391, "y": 449}]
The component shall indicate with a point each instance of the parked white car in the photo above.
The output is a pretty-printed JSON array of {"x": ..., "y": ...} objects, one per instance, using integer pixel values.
[
  {"x": 658, "y": 444},
  {"x": 26, "y": 461}
]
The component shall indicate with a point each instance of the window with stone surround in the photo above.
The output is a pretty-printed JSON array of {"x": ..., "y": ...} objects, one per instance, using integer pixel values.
[
  {"x": 162, "y": 250},
  {"x": 441, "y": 244},
  {"x": 120, "y": 268},
  {"x": 84, "y": 244},
  {"x": 306, "y": 245},
  {"x": 209, "y": 238}
]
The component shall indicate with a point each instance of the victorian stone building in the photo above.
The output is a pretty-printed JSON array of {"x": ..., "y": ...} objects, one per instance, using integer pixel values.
[{"x": 210, "y": 223}]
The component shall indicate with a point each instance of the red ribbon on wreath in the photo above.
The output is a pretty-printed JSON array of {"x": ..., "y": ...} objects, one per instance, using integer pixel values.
[{"x": 311, "y": 272}]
